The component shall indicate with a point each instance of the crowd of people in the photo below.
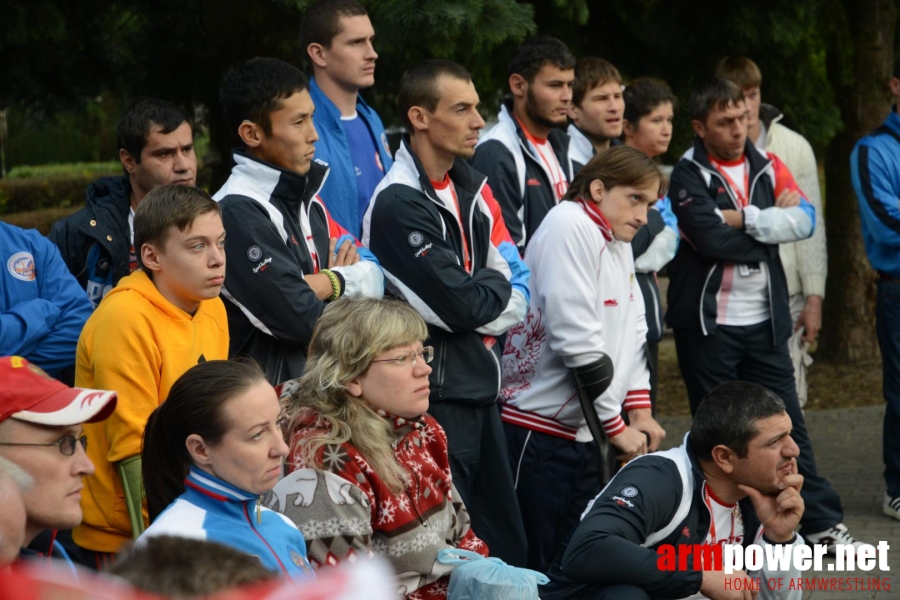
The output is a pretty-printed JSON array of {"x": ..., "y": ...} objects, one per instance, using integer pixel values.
[{"x": 452, "y": 346}]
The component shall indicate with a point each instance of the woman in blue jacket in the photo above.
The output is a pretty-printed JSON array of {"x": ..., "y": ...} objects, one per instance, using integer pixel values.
[{"x": 210, "y": 451}]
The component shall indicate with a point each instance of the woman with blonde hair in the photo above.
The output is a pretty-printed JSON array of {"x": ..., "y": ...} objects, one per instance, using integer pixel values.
[{"x": 368, "y": 468}]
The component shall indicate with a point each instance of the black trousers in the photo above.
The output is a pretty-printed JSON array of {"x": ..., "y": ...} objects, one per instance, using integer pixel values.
[
  {"x": 749, "y": 354},
  {"x": 481, "y": 472},
  {"x": 555, "y": 479}
]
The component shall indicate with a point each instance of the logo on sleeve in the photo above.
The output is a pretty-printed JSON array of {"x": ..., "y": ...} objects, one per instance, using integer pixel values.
[
  {"x": 254, "y": 253},
  {"x": 630, "y": 491},
  {"x": 21, "y": 266},
  {"x": 415, "y": 239},
  {"x": 384, "y": 143}
]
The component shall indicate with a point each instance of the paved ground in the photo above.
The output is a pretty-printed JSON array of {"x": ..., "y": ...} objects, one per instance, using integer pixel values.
[{"x": 848, "y": 450}]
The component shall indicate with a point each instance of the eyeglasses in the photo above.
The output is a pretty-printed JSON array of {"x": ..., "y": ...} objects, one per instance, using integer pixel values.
[
  {"x": 427, "y": 353},
  {"x": 66, "y": 444}
]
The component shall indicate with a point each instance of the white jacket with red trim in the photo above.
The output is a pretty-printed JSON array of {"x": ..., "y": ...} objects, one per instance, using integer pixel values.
[{"x": 584, "y": 301}]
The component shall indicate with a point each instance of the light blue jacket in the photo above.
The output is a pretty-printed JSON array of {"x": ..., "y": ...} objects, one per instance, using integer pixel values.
[
  {"x": 42, "y": 307},
  {"x": 339, "y": 191},
  {"x": 875, "y": 172},
  {"x": 214, "y": 510}
]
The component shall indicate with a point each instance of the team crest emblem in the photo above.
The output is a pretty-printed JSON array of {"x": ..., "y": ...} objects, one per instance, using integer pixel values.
[
  {"x": 254, "y": 253},
  {"x": 415, "y": 239},
  {"x": 630, "y": 492},
  {"x": 384, "y": 143},
  {"x": 21, "y": 266}
]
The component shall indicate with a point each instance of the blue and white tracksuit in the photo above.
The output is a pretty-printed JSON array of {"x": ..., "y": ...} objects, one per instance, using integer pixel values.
[{"x": 211, "y": 509}]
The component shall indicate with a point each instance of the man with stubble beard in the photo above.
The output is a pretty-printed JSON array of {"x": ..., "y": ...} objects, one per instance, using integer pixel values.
[{"x": 525, "y": 155}]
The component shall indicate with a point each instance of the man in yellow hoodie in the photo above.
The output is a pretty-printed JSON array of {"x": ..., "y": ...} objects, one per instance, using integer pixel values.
[{"x": 152, "y": 327}]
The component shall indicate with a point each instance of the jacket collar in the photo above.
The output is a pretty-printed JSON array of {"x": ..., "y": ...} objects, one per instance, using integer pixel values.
[
  {"x": 286, "y": 186},
  {"x": 110, "y": 194},
  {"x": 324, "y": 104},
  {"x": 467, "y": 181},
  {"x": 594, "y": 214},
  {"x": 769, "y": 115},
  {"x": 698, "y": 154},
  {"x": 893, "y": 120},
  {"x": 214, "y": 488}
]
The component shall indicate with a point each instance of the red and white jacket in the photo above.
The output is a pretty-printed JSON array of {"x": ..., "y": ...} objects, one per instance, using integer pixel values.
[{"x": 584, "y": 301}]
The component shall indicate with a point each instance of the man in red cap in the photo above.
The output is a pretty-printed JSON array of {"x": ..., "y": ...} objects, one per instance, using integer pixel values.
[{"x": 41, "y": 431}]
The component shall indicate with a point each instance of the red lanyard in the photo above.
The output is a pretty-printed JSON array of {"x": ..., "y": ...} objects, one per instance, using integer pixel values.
[
  {"x": 462, "y": 232},
  {"x": 559, "y": 183},
  {"x": 712, "y": 518},
  {"x": 742, "y": 198}
]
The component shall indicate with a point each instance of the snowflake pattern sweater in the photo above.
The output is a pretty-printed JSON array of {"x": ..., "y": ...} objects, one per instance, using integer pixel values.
[{"x": 345, "y": 511}]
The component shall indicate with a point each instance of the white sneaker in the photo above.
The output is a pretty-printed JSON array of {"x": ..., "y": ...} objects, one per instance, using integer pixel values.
[
  {"x": 836, "y": 535},
  {"x": 891, "y": 506}
]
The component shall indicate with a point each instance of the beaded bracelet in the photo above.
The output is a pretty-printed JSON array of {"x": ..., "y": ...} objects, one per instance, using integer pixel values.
[{"x": 335, "y": 284}]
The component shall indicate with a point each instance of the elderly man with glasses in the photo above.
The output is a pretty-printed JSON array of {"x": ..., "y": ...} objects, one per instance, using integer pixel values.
[{"x": 41, "y": 432}]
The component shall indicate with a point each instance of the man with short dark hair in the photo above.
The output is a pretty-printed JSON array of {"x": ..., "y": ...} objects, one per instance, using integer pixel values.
[
  {"x": 875, "y": 172},
  {"x": 287, "y": 256},
  {"x": 805, "y": 262},
  {"x": 336, "y": 37},
  {"x": 41, "y": 432},
  {"x": 525, "y": 155},
  {"x": 445, "y": 250},
  {"x": 734, "y": 480},
  {"x": 728, "y": 296},
  {"x": 156, "y": 324},
  {"x": 156, "y": 147},
  {"x": 596, "y": 111}
]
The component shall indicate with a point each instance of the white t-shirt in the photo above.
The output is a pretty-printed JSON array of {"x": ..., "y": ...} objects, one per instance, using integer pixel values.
[{"x": 743, "y": 297}]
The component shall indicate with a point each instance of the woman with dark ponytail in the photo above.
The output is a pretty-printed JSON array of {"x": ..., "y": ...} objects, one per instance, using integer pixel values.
[{"x": 211, "y": 450}]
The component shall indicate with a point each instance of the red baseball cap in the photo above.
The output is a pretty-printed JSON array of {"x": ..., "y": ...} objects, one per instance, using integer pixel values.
[{"x": 27, "y": 393}]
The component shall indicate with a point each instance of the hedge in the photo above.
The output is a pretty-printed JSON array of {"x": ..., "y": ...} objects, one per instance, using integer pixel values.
[
  {"x": 36, "y": 193},
  {"x": 81, "y": 169},
  {"x": 41, "y": 220}
]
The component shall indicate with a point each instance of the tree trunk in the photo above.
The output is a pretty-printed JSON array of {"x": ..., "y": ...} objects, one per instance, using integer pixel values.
[{"x": 859, "y": 69}]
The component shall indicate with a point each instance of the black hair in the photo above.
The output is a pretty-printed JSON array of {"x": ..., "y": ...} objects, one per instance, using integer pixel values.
[
  {"x": 178, "y": 567},
  {"x": 727, "y": 416},
  {"x": 418, "y": 86},
  {"x": 194, "y": 406},
  {"x": 253, "y": 90},
  {"x": 716, "y": 93},
  {"x": 642, "y": 97},
  {"x": 141, "y": 116},
  {"x": 322, "y": 21},
  {"x": 534, "y": 53}
]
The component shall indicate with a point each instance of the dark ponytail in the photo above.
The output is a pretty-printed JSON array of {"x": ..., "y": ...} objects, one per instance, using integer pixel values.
[{"x": 194, "y": 406}]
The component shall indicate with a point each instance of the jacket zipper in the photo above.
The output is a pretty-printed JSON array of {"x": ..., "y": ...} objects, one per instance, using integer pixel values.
[
  {"x": 655, "y": 303},
  {"x": 262, "y": 539},
  {"x": 499, "y": 372},
  {"x": 702, "y": 294}
]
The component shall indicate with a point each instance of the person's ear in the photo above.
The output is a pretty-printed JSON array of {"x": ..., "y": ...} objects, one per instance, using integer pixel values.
[
  {"x": 127, "y": 160},
  {"x": 316, "y": 53},
  {"x": 354, "y": 388},
  {"x": 517, "y": 85},
  {"x": 418, "y": 117},
  {"x": 150, "y": 257},
  {"x": 895, "y": 86},
  {"x": 597, "y": 191},
  {"x": 573, "y": 112},
  {"x": 251, "y": 134},
  {"x": 198, "y": 449},
  {"x": 627, "y": 128},
  {"x": 725, "y": 458},
  {"x": 699, "y": 128}
]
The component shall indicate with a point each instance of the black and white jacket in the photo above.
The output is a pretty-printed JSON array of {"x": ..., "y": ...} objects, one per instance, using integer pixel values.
[
  {"x": 655, "y": 499},
  {"x": 278, "y": 231},
  {"x": 520, "y": 182},
  {"x": 419, "y": 244}
]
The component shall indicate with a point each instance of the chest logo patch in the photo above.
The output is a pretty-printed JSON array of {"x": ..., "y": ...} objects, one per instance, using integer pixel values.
[
  {"x": 415, "y": 239},
  {"x": 254, "y": 253},
  {"x": 611, "y": 302},
  {"x": 21, "y": 266}
]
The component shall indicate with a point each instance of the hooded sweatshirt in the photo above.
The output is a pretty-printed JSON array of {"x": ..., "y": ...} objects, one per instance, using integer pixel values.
[{"x": 138, "y": 344}]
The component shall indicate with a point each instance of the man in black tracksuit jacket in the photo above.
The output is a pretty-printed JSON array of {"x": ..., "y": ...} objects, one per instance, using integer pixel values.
[
  {"x": 664, "y": 498},
  {"x": 436, "y": 230},
  {"x": 723, "y": 331}
]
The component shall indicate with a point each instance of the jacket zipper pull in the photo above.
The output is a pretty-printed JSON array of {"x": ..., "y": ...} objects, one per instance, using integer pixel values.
[{"x": 259, "y": 511}]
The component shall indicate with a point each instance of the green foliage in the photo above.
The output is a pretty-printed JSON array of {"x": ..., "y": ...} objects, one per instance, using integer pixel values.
[
  {"x": 35, "y": 193},
  {"x": 81, "y": 169}
]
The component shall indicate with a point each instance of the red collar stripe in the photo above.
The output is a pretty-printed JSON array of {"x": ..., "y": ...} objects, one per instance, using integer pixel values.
[{"x": 593, "y": 212}]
